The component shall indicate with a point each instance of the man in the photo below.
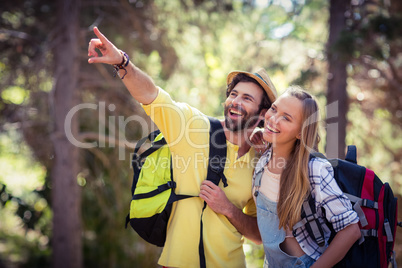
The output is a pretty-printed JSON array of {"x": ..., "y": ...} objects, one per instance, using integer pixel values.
[{"x": 187, "y": 132}]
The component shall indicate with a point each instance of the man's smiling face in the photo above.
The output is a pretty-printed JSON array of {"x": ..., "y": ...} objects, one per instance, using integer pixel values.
[{"x": 242, "y": 106}]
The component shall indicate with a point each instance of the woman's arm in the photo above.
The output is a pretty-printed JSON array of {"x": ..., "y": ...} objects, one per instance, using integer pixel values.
[
  {"x": 339, "y": 212},
  {"x": 339, "y": 246}
]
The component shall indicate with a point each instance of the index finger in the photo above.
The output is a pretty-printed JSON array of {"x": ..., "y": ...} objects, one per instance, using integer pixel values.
[
  {"x": 100, "y": 35},
  {"x": 208, "y": 183}
]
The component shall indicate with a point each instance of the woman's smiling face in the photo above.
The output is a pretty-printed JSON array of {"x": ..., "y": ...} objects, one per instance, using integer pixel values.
[{"x": 283, "y": 121}]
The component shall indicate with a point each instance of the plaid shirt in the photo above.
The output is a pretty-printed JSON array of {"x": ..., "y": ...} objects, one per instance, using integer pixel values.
[{"x": 327, "y": 195}]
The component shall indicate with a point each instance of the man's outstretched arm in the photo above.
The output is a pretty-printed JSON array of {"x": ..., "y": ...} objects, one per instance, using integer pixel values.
[
  {"x": 218, "y": 202},
  {"x": 138, "y": 83}
]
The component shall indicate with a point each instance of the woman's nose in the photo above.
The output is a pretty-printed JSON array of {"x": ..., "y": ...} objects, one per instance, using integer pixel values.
[{"x": 273, "y": 119}]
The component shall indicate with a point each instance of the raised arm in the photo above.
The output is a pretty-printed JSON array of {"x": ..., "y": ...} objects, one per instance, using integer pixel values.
[{"x": 138, "y": 83}]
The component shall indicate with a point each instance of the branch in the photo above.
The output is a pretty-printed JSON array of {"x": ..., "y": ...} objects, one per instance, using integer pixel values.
[
  {"x": 106, "y": 139},
  {"x": 389, "y": 78},
  {"x": 394, "y": 71},
  {"x": 101, "y": 156}
]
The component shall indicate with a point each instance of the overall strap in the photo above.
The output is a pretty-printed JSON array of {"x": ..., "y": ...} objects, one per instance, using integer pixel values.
[{"x": 257, "y": 182}]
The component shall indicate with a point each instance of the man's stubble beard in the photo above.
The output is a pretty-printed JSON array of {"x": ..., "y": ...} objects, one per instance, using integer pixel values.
[{"x": 243, "y": 123}]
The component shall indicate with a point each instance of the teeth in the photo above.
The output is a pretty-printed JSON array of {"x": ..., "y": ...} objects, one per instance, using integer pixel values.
[
  {"x": 235, "y": 112},
  {"x": 271, "y": 129}
]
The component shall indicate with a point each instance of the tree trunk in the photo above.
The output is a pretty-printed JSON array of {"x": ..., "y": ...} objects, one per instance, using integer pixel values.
[
  {"x": 337, "y": 99},
  {"x": 66, "y": 193}
]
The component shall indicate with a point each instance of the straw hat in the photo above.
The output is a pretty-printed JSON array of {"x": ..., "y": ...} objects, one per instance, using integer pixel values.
[{"x": 262, "y": 78}]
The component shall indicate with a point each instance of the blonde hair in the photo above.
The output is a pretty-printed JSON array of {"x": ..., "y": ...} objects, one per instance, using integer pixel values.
[{"x": 294, "y": 184}]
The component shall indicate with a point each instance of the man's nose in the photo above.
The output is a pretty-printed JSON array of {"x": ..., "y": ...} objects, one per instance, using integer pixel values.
[{"x": 237, "y": 101}]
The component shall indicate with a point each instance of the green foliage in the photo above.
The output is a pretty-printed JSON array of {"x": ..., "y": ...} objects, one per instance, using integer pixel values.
[
  {"x": 24, "y": 211},
  {"x": 14, "y": 94},
  {"x": 386, "y": 26},
  {"x": 254, "y": 254},
  {"x": 372, "y": 134}
]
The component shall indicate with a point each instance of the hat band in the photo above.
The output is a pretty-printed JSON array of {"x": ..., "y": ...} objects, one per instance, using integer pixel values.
[{"x": 259, "y": 76}]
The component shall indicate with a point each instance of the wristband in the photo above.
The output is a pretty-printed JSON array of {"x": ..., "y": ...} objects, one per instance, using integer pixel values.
[{"x": 122, "y": 66}]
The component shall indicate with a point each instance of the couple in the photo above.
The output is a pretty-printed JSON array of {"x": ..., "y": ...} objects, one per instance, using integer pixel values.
[{"x": 231, "y": 211}]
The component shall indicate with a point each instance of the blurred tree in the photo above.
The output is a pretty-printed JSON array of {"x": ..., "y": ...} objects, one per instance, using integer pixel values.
[
  {"x": 337, "y": 99},
  {"x": 371, "y": 45},
  {"x": 66, "y": 193},
  {"x": 375, "y": 52}
]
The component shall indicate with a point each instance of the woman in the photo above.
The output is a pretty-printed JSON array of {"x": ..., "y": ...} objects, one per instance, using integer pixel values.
[{"x": 288, "y": 177}]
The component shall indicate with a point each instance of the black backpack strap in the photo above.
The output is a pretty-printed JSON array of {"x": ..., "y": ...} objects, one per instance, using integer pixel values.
[
  {"x": 216, "y": 166},
  {"x": 310, "y": 221},
  {"x": 160, "y": 189},
  {"x": 217, "y": 153}
]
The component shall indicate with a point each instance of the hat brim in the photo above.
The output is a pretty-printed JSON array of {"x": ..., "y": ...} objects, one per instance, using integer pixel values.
[{"x": 263, "y": 84}]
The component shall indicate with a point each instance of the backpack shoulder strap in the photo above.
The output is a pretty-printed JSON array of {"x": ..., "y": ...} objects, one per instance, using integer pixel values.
[
  {"x": 217, "y": 152},
  {"x": 216, "y": 166},
  {"x": 310, "y": 221}
]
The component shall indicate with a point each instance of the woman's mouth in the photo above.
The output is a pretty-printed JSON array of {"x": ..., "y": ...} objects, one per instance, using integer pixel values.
[{"x": 271, "y": 129}]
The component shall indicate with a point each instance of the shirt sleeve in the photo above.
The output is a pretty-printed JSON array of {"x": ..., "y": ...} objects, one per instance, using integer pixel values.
[
  {"x": 177, "y": 121},
  {"x": 338, "y": 208}
]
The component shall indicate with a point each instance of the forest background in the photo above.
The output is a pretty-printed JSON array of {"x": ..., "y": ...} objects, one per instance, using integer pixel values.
[{"x": 67, "y": 128}]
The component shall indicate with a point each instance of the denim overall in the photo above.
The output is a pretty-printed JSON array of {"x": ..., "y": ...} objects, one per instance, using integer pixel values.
[{"x": 272, "y": 237}]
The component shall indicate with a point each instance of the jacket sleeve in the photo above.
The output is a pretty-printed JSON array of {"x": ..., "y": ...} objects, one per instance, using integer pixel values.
[{"x": 338, "y": 208}]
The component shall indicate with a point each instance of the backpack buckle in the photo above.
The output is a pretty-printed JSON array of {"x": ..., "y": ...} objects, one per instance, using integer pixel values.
[
  {"x": 311, "y": 217},
  {"x": 369, "y": 203},
  {"x": 171, "y": 184}
]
